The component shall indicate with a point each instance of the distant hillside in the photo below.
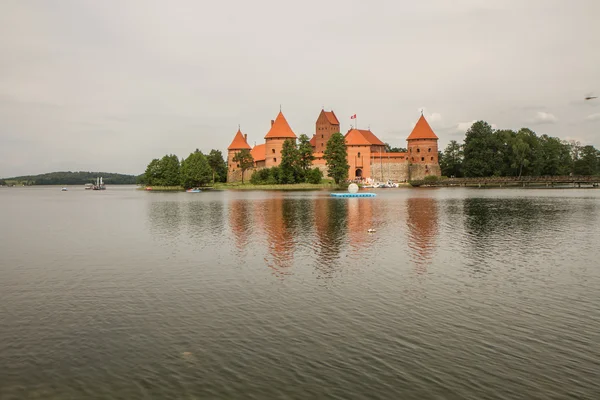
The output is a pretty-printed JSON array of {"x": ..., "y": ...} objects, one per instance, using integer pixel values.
[{"x": 71, "y": 178}]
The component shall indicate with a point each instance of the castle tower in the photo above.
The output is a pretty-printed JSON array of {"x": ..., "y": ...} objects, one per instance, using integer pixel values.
[
  {"x": 327, "y": 124},
  {"x": 422, "y": 147},
  {"x": 280, "y": 131},
  {"x": 234, "y": 173}
]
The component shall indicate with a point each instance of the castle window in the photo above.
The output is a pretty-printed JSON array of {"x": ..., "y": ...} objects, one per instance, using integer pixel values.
[
  {"x": 274, "y": 160},
  {"x": 413, "y": 159},
  {"x": 418, "y": 150},
  {"x": 431, "y": 158},
  {"x": 238, "y": 165},
  {"x": 422, "y": 158},
  {"x": 410, "y": 149},
  {"x": 429, "y": 150},
  {"x": 273, "y": 151},
  {"x": 322, "y": 136},
  {"x": 359, "y": 154}
]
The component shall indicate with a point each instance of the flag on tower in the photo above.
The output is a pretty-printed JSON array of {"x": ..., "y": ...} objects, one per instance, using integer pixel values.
[{"x": 353, "y": 116}]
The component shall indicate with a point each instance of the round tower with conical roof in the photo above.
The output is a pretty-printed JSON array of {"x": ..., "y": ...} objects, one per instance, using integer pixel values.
[
  {"x": 280, "y": 131},
  {"x": 239, "y": 143},
  {"x": 422, "y": 151}
]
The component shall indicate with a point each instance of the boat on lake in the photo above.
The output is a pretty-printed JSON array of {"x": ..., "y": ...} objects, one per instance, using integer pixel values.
[
  {"x": 99, "y": 185},
  {"x": 193, "y": 190}
]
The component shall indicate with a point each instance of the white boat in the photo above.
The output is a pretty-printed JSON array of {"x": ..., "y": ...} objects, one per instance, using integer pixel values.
[
  {"x": 99, "y": 185},
  {"x": 63, "y": 189}
]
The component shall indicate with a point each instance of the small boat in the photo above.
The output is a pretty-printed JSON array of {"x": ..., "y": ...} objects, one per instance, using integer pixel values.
[
  {"x": 371, "y": 230},
  {"x": 148, "y": 188},
  {"x": 99, "y": 185},
  {"x": 89, "y": 186},
  {"x": 194, "y": 190},
  {"x": 63, "y": 189}
]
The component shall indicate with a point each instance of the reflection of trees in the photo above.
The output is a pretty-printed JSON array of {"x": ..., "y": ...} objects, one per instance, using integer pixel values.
[
  {"x": 240, "y": 221},
  {"x": 204, "y": 219},
  {"x": 331, "y": 221},
  {"x": 279, "y": 222},
  {"x": 165, "y": 217},
  {"x": 422, "y": 221},
  {"x": 507, "y": 225},
  {"x": 360, "y": 219}
]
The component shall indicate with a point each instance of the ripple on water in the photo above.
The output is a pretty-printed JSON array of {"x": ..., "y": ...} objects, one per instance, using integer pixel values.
[{"x": 465, "y": 294}]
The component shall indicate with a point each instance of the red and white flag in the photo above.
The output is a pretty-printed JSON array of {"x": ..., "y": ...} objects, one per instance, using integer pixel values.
[{"x": 353, "y": 116}]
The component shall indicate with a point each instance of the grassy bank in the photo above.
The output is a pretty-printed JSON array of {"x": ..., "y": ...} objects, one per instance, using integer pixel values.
[
  {"x": 296, "y": 186},
  {"x": 163, "y": 188}
]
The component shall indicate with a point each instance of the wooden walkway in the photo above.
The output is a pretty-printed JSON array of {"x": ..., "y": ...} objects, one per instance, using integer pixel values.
[{"x": 575, "y": 181}]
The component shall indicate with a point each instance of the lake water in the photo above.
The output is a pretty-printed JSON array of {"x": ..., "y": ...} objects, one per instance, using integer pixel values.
[{"x": 460, "y": 294}]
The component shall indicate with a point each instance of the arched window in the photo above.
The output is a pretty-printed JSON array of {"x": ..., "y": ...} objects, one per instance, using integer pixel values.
[
  {"x": 273, "y": 151},
  {"x": 429, "y": 150},
  {"x": 431, "y": 158},
  {"x": 410, "y": 149},
  {"x": 274, "y": 160},
  {"x": 418, "y": 150},
  {"x": 422, "y": 158},
  {"x": 359, "y": 154}
]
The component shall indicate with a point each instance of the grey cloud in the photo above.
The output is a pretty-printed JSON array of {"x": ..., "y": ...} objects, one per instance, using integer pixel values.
[{"x": 108, "y": 85}]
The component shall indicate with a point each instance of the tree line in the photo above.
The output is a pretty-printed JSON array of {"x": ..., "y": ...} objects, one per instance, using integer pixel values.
[
  {"x": 196, "y": 170},
  {"x": 296, "y": 163},
  {"x": 295, "y": 166},
  {"x": 503, "y": 152},
  {"x": 71, "y": 178}
]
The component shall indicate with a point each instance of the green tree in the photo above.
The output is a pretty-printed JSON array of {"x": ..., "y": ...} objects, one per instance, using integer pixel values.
[
  {"x": 290, "y": 159},
  {"x": 587, "y": 164},
  {"x": 195, "y": 170},
  {"x": 169, "y": 171},
  {"x": 555, "y": 156},
  {"x": 305, "y": 154},
  {"x": 152, "y": 175},
  {"x": 520, "y": 154},
  {"x": 481, "y": 151},
  {"x": 336, "y": 158},
  {"x": 314, "y": 176},
  {"x": 576, "y": 148},
  {"x": 218, "y": 165},
  {"x": 244, "y": 160},
  {"x": 451, "y": 160}
]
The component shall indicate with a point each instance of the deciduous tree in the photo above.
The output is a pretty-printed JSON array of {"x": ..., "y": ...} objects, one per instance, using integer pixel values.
[
  {"x": 336, "y": 158},
  {"x": 244, "y": 160}
]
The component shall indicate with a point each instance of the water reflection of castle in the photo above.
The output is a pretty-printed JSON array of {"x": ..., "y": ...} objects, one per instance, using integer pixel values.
[{"x": 330, "y": 227}]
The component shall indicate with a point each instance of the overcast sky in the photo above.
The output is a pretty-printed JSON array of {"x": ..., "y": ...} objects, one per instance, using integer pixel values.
[{"x": 109, "y": 85}]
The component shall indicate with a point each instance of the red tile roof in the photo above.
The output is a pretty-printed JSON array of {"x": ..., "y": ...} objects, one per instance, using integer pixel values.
[
  {"x": 258, "y": 152},
  {"x": 239, "y": 142},
  {"x": 355, "y": 138},
  {"x": 422, "y": 130},
  {"x": 370, "y": 136},
  {"x": 331, "y": 117},
  {"x": 313, "y": 141},
  {"x": 361, "y": 137},
  {"x": 280, "y": 128}
]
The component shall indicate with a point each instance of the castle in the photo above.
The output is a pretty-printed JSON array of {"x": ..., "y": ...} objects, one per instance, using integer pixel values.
[{"x": 367, "y": 155}]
